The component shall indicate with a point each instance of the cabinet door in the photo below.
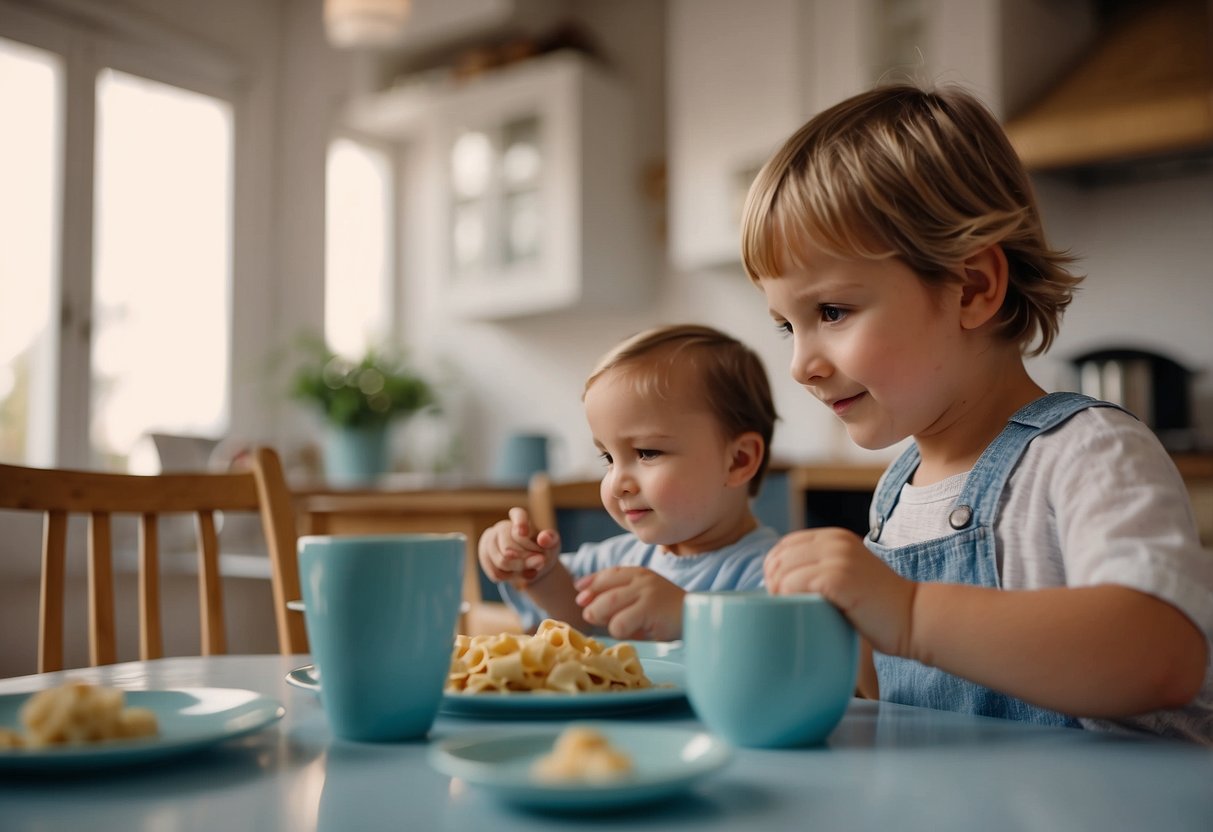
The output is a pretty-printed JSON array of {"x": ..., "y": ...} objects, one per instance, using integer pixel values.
[
  {"x": 510, "y": 158},
  {"x": 535, "y": 197}
]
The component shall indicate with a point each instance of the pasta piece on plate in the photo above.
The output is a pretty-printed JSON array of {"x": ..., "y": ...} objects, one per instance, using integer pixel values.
[
  {"x": 581, "y": 753},
  {"x": 557, "y": 658}
]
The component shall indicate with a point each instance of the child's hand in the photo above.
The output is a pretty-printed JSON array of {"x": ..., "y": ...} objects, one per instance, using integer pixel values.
[
  {"x": 836, "y": 564},
  {"x": 510, "y": 551},
  {"x": 632, "y": 602}
]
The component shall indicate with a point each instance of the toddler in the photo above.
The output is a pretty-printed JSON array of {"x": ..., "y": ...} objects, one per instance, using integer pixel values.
[
  {"x": 683, "y": 418},
  {"x": 1030, "y": 556}
]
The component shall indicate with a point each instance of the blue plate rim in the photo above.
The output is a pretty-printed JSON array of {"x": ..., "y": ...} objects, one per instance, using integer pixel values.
[
  {"x": 513, "y": 786},
  {"x": 669, "y": 686},
  {"x": 253, "y": 715}
]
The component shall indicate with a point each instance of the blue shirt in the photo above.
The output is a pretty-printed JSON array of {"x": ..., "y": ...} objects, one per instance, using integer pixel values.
[{"x": 736, "y": 566}]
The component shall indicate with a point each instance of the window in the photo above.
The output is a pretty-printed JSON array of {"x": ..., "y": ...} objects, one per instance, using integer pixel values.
[
  {"x": 162, "y": 247},
  {"x": 358, "y": 247},
  {"x": 116, "y": 224},
  {"x": 30, "y": 95}
]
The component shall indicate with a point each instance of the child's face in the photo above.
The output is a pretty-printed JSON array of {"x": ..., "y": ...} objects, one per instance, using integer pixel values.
[
  {"x": 873, "y": 343},
  {"x": 666, "y": 460}
]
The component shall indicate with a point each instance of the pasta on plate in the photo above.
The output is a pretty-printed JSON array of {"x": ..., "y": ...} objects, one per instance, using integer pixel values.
[
  {"x": 558, "y": 658},
  {"x": 582, "y": 754},
  {"x": 76, "y": 713}
]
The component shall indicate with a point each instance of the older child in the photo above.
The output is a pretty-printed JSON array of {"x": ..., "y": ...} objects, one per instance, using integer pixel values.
[
  {"x": 683, "y": 418},
  {"x": 1031, "y": 556}
]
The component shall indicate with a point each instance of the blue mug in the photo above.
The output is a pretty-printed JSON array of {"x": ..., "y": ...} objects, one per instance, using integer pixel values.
[
  {"x": 768, "y": 671},
  {"x": 522, "y": 455},
  {"x": 381, "y": 613}
]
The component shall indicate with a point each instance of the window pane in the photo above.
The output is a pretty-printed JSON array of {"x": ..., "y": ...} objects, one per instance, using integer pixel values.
[
  {"x": 522, "y": 162},
  {"x": 358, "y": 262},
  {"x": 162, "y": 259},
  {"x": 30, "y": 80},
  {"x": 471, "y": 164}
]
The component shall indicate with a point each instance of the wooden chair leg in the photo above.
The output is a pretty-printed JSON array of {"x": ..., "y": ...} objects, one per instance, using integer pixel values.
[{"x": 102, "y": 640}]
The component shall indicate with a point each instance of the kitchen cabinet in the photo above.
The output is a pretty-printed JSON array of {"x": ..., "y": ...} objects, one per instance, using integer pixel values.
[
  {"x": 744, "y": 76},
  {"x": 539, "y": 202}
]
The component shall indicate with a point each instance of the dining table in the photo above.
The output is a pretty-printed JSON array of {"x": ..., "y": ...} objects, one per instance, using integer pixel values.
[{"x": 884, "y": 767}]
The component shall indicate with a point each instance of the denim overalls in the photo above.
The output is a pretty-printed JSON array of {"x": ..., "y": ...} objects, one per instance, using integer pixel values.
[{"x": 966, "y": 557}]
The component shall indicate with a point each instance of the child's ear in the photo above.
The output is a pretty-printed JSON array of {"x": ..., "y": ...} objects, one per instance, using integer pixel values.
[
  {"x": 746, "y": 456},
  {"x": 984, "y": 286}
]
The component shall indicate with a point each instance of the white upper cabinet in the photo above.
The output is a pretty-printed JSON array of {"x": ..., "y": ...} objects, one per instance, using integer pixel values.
[
  {"x": 539, "y": 204},
  {"x": 745, "y": 76}
]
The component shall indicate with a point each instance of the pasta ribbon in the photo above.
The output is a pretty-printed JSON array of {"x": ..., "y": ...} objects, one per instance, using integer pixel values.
[{"x": 558, "y": 658}]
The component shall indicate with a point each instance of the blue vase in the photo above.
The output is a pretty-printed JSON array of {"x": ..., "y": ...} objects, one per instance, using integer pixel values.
[{"x": 355, "y": 456}]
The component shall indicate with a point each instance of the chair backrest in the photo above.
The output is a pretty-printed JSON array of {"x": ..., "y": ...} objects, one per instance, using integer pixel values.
[
  {"x": 574, "y": 508},
  {"x": 58, "y": 493}
]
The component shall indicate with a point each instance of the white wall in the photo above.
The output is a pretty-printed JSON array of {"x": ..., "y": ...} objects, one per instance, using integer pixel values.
[{"x": 1147, "y": 250}]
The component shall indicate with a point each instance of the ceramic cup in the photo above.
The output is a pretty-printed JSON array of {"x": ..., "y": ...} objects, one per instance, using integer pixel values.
[
  {"x": 768, "y": 670},
  {"x": 381, "y": 613},
  {"x": 522, "y": 455}
]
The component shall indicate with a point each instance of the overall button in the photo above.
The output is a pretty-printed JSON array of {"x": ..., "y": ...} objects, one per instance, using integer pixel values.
[
  {"x": 877, "y": 528},
  {"x": 960, "y": 517}
]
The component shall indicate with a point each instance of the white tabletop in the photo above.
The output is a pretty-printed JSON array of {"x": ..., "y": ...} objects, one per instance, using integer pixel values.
[{"x": 886, "y": 767}]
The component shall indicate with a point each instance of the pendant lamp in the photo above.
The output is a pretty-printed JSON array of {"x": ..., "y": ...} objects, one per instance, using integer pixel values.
[{"x": 353, "y": 24}]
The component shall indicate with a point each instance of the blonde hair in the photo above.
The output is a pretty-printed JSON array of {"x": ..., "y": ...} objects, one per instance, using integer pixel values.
[
  {"x": 731, "y": 377},
  {"x": 926, "y": 176}
]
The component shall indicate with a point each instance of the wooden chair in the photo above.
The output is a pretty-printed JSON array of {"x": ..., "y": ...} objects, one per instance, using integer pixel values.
[
  {"x": 574, "y": 508},
  {"x": 59, "y": 493},
  {"x": 547, "y": 498}
]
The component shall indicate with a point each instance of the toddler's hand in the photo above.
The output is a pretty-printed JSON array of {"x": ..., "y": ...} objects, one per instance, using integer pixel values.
[
  {"x": 836, "y": 564},
  {"x": 510, "y": 551},
  {"x": 632, "y": 602}
]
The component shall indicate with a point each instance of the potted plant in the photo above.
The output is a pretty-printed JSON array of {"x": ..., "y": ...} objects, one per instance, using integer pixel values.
[{"x": 358, "y": 400}]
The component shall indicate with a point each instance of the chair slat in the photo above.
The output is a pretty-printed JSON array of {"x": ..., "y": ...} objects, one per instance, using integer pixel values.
[
  {"x": 210, "y": 590},
  {"x": 50, "y": 619},
  {"x": 277, "y": 513},
  {"x": 151, "y": 640},
  {"x": 102, "y": 640}
]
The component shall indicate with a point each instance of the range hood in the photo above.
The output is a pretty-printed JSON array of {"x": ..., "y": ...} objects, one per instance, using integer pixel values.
[{"x": 1144, "y": 90}]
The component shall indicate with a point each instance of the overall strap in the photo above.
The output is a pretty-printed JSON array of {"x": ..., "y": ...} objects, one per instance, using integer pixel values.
[
  {"x": 980, "y": 496},
  {"x": 897, "y": 475}
]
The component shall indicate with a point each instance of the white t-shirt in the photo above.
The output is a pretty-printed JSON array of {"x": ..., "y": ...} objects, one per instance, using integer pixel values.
[{"x": 1094, "y": 501}]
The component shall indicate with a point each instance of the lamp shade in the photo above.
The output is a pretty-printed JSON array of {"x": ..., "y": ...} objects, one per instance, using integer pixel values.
[{"x": 364, "y": 23}]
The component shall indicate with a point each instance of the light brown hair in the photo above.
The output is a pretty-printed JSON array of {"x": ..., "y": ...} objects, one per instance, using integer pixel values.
[
  {"x": 731, "y": 377},
  {"x": 927, "y": 176}
]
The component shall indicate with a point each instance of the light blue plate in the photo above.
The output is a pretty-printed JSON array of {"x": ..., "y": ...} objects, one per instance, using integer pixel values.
[
  {"x": 665, "y": 761},
  {"x": 669, "y": 685},
  {"x": 189, "y": 719}
]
